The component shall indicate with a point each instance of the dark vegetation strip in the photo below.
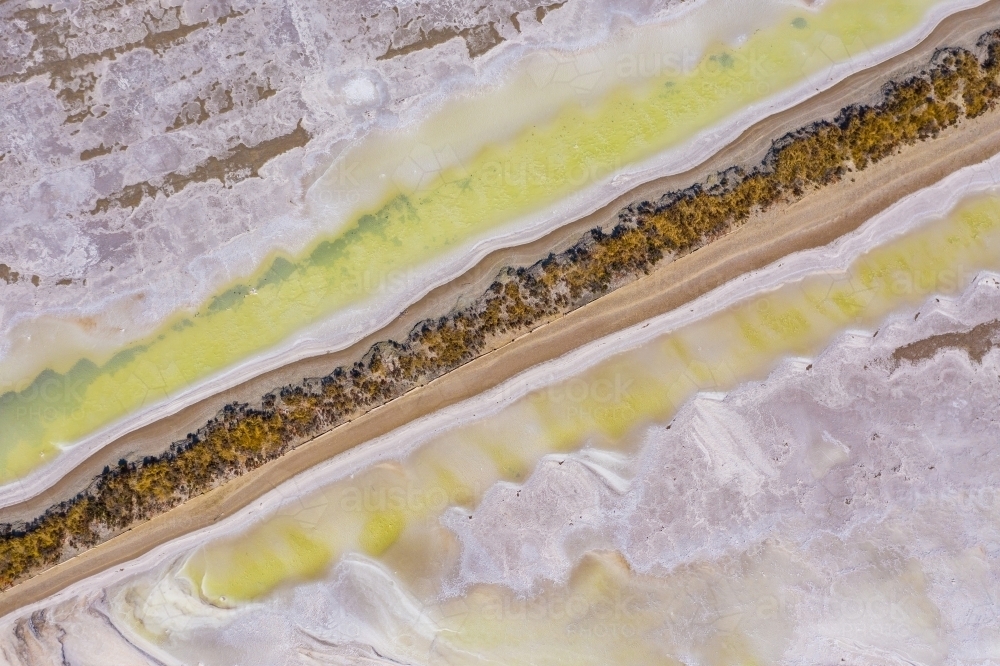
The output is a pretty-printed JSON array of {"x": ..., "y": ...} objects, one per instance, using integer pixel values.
[{"x": 957, "y": 84}]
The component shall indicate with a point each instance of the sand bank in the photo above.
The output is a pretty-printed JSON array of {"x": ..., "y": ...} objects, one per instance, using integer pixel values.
[
  {"x": 817, "y": 219},
  {"x": 333, "y": 334}
]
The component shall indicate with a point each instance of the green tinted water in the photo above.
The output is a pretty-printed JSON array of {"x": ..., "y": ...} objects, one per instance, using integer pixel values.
[
  {"x": 538, "y": 167},
  {"x": 392, "y": 511}
]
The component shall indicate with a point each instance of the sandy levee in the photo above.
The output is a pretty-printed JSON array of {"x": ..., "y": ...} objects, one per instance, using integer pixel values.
[
  {"x": 27, "y": 499},
  {"x": 812, "y": 221},
  {"x": 330, "y": 334}
]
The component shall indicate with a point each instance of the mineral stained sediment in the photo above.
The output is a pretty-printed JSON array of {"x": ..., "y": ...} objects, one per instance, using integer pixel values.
[
  {"x": 959, "y": 85},
  {"x": 428, "y": 195},
  {"x": 786, "y": 460}
]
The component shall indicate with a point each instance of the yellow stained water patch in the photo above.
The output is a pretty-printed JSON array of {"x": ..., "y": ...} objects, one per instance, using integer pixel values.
[
  {"x": 453, "y": 490},
  {"x": 535, "y": 168},
  {"x": 618, "y": 396},
  {"x": 738, "y": 608},
  {"x": 509, "y": 465},
  {"x": 381, "y": 530},
  {"x": 547, "y": 628},
  {"x": 725, "y": 611},
  {"x": 605, "y": 402},
  {"x": 278, "y": 552}
]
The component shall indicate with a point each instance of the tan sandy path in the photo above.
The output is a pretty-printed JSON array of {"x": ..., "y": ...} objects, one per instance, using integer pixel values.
[
  {"x": 817, "y": 219},
  {"x": 960, "y": 30}
]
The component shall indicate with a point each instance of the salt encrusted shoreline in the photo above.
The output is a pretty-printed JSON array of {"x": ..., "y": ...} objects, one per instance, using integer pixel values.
[
  {"x": 331, "y": 335},
  {"x": 243, "y": 438},
  {"x": 909, "y": 214},
  {"x": 169, "y": 247}
]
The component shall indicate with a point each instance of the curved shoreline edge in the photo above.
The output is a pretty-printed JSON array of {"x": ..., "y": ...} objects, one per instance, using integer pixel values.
[
  {"x": 904, "y": 216},
  {"x": 797, "y": 177},
  {"x": 325, "y": 338}
]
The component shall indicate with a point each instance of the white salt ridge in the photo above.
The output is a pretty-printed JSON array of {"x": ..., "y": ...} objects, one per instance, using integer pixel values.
[
  {"x": 354, "y": 323},
  {"x": 566, "y": 499},
  {"x": 890, "y": 549},
  {"x": 190, "y": 266},
  {"x": 715, "y": 449},
  {"x": 77, "y": 633},
  {"x": 906, "y": 215}
]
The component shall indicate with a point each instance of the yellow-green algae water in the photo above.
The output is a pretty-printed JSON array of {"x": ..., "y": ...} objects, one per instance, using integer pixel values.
[
  {"x": 391, "y": 511},
  {"x": 541, "y": 165}
]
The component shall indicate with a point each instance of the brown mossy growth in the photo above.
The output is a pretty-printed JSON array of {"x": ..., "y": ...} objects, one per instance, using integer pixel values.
[
  {"x": 976, "y": 343},
  {"x": 7, "y": 275},
  {"x": 957, "y": 85}
]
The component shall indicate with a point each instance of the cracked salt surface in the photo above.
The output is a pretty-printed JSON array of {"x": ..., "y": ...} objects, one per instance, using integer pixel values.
[{"x": 246, "y": 73}]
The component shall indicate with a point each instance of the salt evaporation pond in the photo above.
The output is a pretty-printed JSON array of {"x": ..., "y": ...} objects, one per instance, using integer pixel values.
[
  {"x": 435, "y": 215},
  {"x": 648, "y": 498}
]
